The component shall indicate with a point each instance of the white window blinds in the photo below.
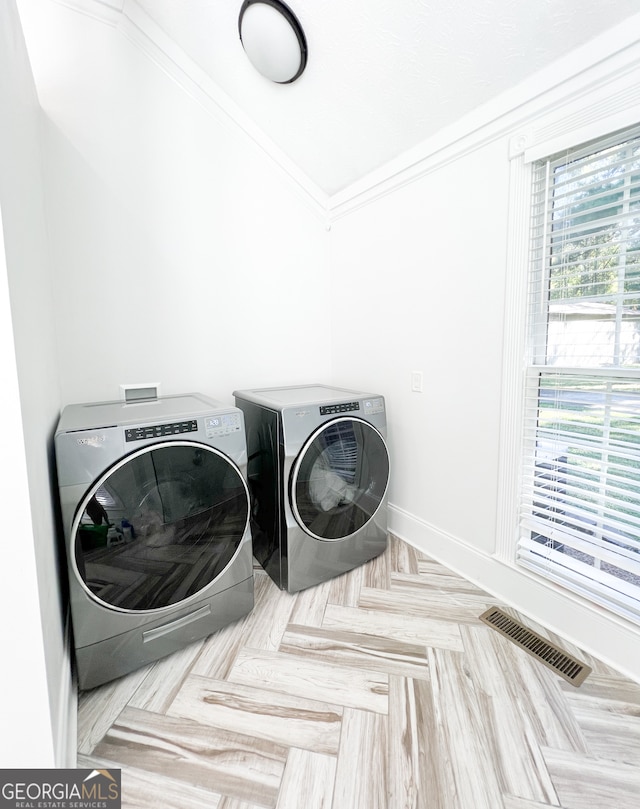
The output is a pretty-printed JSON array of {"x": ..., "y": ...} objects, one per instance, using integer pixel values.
[{"x": 580, "y": 516}]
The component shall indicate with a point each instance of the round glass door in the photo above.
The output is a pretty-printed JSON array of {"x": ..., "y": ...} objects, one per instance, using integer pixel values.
[
  {"x": 160, "y": 526},
  {"x": 339, "y": 478}
]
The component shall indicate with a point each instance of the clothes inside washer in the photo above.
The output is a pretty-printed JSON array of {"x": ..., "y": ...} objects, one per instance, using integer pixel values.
[
  {"x": 333, "y": 474},
  {"x": 327, "y": 488}
]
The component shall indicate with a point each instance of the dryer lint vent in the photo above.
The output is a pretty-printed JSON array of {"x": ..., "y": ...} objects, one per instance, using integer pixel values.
[{"x": 569, "y": 668}]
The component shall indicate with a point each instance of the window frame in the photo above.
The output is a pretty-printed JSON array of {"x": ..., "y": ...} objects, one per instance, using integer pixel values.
[{"x": 552, "y": 561}]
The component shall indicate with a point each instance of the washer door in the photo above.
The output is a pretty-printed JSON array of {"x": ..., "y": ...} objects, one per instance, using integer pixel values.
[
  {"x": 339, "y": 479},
  {"x": 159, "y": 526}
]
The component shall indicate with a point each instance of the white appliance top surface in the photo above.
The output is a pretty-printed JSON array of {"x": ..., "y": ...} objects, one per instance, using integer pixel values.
[
  {"x": 299, "y": 395},
  {"x": 96, "y": 415}
]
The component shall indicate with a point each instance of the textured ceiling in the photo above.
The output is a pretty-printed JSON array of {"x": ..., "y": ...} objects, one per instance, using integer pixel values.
[{"x": 382, "y": 75}]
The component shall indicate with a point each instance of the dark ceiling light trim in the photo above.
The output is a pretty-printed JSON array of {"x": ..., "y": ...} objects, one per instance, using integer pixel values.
[{"x": 259, "y": 53}]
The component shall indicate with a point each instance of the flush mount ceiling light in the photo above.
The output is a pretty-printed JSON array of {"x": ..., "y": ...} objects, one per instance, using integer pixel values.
[{"x": 273, "y": 39}]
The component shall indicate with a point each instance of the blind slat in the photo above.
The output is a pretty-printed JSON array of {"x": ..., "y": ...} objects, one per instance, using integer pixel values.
[
  {"x": 584, "y": 580},
  {"x": 549, "y": 552},
  {"x": 580, "y": 493}
]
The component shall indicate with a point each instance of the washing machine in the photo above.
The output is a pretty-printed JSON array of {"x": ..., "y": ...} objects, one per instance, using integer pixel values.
[
  {"x": 155, "y": 510},
  {"x": 318, "y": 469}
]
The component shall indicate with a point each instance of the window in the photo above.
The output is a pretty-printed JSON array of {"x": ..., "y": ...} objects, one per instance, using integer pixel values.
[{"x": 580, "y": 515}]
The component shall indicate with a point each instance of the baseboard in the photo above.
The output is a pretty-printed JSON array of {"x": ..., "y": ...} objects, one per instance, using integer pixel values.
[
  {"x": 613, "y": 640},
  {"x": 67, "y": 724}
]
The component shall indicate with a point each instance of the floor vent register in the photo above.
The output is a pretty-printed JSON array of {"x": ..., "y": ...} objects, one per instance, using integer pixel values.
[{"x": 568, "y": 667}]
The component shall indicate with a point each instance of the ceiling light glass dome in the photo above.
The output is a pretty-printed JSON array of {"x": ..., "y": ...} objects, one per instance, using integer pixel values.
[{"x": 273, "y": 40}]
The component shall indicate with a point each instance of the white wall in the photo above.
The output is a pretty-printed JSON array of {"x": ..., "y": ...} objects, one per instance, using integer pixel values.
[
  {"x": 182, "y": 254},
  {"x": 431, "y": 262},
  {"x": 421, "y": 278},
  {"x": 35, "y": 677}
]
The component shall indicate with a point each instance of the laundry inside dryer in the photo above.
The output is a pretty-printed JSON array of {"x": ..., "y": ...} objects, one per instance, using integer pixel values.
[{"x": 339, "y": 485}]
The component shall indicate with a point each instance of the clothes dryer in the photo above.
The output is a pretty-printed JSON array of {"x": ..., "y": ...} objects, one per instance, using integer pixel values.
[
  {"x": 155, "y": 511},
  {"x": 318, "y": 470}
]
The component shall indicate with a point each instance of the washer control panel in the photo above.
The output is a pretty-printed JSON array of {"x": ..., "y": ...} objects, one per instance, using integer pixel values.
[
  {"x": 160, "y": 430},
  {"x": 344, "y": 407},
  {"x": 224, "y": 424}
]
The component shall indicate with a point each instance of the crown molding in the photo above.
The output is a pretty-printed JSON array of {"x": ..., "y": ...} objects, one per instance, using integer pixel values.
[
  {"x": 135, "y": 25},
  {"x": 104, "y": 11},
  {"x": 595, "y": 87},
  {"x": 141, "y": 31},
  {"x": 576, "y": 91}
]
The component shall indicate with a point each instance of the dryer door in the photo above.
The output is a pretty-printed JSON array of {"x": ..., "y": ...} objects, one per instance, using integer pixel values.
[
  {"x": 159, "y": 526},
  {"x": 339, "y": 479}
]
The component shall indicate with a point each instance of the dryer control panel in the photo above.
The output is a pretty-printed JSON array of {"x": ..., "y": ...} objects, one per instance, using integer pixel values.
[
  {"x": 343, "y": 407},
  {"x": 369, "y": 407},
  {"x": 373, "y": 406},
  {"x": 160, "y": 430}
]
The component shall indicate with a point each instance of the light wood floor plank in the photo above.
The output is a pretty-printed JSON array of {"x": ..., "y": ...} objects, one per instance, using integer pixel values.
[
  {"x": 402, "y": 557},
  {"x": 345, "y": 589},
  {"x": 228, "y": 763},
  {"x": 459, "y": 607},
  {"x": 142, "y": 789},
  {"x": 405, "y": 628},
  {"x": 615, "y": 694},
  {"x": 444, "y": 580},
  {"x": 220, "y": 649},
  {"x": 99, "y": 708},
  {"x": 308, "y": 781},
  {"x": 165, "y": 678},
  {"x": 309, "y": 721},
  {"x": 463, "y": 734},
  {"x": 539, "y": 693},
  {"x": 418, "y": 774},
  {"x": 310, "y": 605},
  {"x": 281, "y": 718},
  {"x": 513, "y": 802},
  {"x": 290, "y": 674},
  {"x": 429, "y": 567},
  {"x": 376, "y": 573},
  {"x": 512, "y": 739},
  {"x": 610, "y": 736},
  {"x": 587, "y": 783},
  {"x": 218, "y": 653},
  {"x": 346, "y": 648},
  {"x": 361, "y": 774},
  {"x": 265, "y": 625}
]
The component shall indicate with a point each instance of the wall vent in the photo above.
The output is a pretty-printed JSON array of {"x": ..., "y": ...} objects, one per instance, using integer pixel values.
[{"x": 568, "y": 667}]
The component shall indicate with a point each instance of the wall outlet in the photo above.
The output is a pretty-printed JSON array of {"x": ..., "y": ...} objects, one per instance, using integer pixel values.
[{"x": 416, "y": 381}]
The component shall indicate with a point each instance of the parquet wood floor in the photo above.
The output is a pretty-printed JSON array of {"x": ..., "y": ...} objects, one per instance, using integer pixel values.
[{"x": 380, "y": 689}]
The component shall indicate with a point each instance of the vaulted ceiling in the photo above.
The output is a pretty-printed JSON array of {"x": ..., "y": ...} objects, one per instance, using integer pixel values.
[{"x": 382, "y": 75}]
